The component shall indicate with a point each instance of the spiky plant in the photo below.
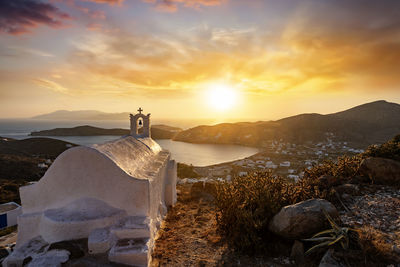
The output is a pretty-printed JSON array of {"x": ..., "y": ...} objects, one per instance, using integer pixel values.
[{"x": 331, "y": 236}]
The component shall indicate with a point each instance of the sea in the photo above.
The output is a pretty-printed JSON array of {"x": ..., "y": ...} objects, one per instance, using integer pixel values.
[{"x": 195, "y": 154}]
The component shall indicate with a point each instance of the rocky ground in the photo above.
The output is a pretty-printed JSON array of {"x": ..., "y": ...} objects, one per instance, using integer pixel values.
[
  {"x": 188, "y": 237},
  {"x": 376, "y": 208}
]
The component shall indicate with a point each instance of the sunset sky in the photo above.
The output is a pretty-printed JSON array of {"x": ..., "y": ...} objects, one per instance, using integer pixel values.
[{"x": 271, "y": 58}]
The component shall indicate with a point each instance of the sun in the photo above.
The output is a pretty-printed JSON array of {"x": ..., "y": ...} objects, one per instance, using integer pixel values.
[{"x": 221, "y": 96}]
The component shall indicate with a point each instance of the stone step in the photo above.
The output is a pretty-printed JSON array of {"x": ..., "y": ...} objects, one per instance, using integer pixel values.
[
  {"x": 100, "y": 241},
  {"x": 130, "y": 252},
  {"x": 131, "y": 227}
]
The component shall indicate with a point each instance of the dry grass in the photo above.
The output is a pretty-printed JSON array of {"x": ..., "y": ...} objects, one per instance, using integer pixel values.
[
  {"x": 376, "y": 245},
  {"x": 188, "y": 236}
]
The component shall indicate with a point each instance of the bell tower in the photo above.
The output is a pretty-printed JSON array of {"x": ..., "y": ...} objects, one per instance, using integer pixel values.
[{"x": 140, "y": 125}]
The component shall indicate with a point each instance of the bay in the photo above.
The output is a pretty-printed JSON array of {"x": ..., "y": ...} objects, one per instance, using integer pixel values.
[{"x": 195, "y": 154}]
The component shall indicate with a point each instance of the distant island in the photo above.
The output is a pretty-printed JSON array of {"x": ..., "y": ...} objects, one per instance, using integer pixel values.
[
  {"x": 157, "y": 131},
  {"x": 83, "y": 115}
]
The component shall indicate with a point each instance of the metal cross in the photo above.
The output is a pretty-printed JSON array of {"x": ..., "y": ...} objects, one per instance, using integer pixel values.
[{"x": 140, "y": 110}]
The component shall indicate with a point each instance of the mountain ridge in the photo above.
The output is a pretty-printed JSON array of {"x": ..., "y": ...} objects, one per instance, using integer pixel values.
[{"x": 362, "y": 125}]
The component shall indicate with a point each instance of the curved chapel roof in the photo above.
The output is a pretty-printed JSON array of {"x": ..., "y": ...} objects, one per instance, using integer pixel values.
[{"x": 140, "y": 158}]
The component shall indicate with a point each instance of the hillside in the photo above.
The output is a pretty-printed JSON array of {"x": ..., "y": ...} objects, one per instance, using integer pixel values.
[
  {"x": 362, "y": 125},
  {"x": 22, "y": 161},
  {"x": 157, "y": 131},
  {"x": 34, "y": 147}
]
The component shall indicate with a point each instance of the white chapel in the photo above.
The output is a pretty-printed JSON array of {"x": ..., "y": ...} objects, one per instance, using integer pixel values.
[{"x": 114, "y": 194}]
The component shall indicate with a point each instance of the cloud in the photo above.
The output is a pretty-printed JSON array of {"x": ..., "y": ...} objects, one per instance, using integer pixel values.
[
  {"x": 22, "y": 52},
  {"x": 50, "y": 85},
  {"x": 313, "y": 50},
  {"x": 110, "y": 2},
  {"x": 21, "y": 16},
  {"x": 173, "y": 5}
]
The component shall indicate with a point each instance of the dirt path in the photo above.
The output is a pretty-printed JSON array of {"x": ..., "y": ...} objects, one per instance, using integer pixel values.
[{"x": 8, "y": 239}]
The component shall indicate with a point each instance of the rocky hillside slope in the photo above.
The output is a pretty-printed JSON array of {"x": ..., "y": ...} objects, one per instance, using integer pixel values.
[
  {"x": 23, "y": 161},
  {"x": 366, "y": 124}
]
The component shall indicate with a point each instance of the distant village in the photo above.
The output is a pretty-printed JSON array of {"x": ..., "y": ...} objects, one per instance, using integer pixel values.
[{"x": 281, "y": 158}]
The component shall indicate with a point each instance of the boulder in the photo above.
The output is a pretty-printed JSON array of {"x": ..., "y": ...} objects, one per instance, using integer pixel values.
[
  {"x": 381, "y": 170},
  {"x": 303, "y": 219},
  {"x": 328, "y": 260},
  {"x": 26, "y": 252},
  {"x": 3, "y": 253},
  {"x": 51, "y": 258},
  {"x": 76, "y": 248},
  {"x": 297, "y": 253}
]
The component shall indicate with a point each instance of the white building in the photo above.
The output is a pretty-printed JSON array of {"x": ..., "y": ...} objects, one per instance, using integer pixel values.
[
  {"x": 268, "y": 164},
  {"x": 9, "y": 213},
  {"x": 115, "y": 194},
  {"x": 294, "y": 177},
  {"x": 285, "y": 164},
  {"x": 242, "y": 173},
  {"x": 239, "y": 163}
]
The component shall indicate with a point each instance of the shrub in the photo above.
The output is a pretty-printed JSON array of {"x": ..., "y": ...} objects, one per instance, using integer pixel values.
[
  {"x": 389, "y": 150},
  {"x": 245, "y": 207},
  {"x": 247, "y": 204},
  {"x": 186, "y": 171},
  {"x": 320, "y": 180}
]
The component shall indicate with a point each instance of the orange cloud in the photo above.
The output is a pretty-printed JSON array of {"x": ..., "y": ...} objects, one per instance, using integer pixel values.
[{"x": 300, "y": 57}]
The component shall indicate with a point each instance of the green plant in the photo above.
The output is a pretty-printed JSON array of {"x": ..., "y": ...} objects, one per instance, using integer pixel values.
[{"x": 331, "y": 236}]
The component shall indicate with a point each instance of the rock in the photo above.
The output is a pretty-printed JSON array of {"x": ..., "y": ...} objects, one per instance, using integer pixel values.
[
  {"x": 303, "y": 219},
  {"x": 75, "y": 247},
  {"x": 328, "y": 260},
  {"x": 100, "y": 241},
  {"x": 3, "y": 253},
  {"x": 35, "y": 246},
  {"x": 27, "y": 260},
  {"x": 52, "y": 258},
  {"x": 297, "y": 253},
  {"x": 346, "y": 197},
  {"x": 381, "y": 170}
]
